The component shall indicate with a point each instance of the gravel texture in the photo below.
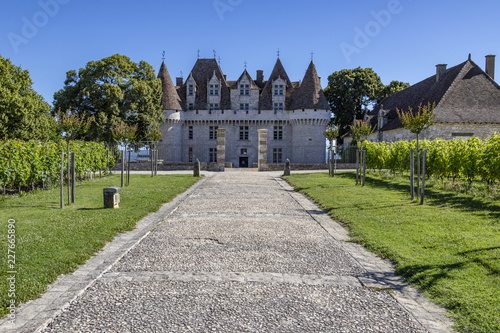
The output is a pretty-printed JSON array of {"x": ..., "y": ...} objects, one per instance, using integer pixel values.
[
  {"x": 240, "y": 254},
  {"x": 232, "y": 307}
]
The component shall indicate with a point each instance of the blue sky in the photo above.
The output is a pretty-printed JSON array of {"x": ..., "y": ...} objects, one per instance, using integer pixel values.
[{"x": 400, "y": 39}]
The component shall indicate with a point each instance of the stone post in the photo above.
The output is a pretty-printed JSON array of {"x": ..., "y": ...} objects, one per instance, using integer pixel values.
[
  {"x": 262, "y": 149},
  {"x": 221, "y": 148},
  {"x": 111, "y": 197},
  {"x": 287, "y": 168},
  {"x": 196, "y": 168}
]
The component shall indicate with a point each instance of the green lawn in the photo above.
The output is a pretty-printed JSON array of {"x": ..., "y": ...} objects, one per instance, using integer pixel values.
[
  {"x": 449, "y": 248},
  {"x": 51, "y": 241}
]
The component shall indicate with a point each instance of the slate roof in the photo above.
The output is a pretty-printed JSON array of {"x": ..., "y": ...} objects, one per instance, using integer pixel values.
[
  {"x": 266, "y": 96},
  {"x": 252, "y": 82},
  {"x": 299, "y": 95},
  {"x": 202, "y": 72},
  {"x": 170, "y": 100},
  {"x": 465, "y": 94},
  {"x": 310, "y": 95}
]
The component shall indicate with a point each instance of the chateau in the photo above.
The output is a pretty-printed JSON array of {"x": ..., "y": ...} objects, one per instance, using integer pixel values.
[{"x": 283, "y": 119}]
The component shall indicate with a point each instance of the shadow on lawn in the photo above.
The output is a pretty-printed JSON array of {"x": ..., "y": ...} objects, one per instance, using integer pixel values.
[
  {"x": 437, "y": 198},
  {"x": 425, "y": 276}
]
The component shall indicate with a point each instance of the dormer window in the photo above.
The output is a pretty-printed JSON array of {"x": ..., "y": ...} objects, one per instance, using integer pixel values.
[
  {"x": 244, "y": 89},
  {"x": 279, "y": 89},
  {"x": 213, "y": 90},
  {"x": 191, "y": 90}
]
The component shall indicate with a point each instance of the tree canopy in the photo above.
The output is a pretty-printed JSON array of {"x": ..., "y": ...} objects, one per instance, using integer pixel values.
[
  {"x": 23, "y": 112},
  {"x": 113, "y": 90},
  {"x": 392, "y": 88},
  {"x": 351, "y": 93}
]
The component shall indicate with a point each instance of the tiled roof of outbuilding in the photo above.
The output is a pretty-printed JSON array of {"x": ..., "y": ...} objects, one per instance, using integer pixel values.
[{"x": 465, "y": 94}]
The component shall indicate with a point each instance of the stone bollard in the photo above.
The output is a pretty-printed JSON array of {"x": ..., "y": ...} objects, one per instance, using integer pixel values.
[
  {"x": 111, "y": 197},
  {"x": 196, "y": 168},
  {"x": 287, "y": 168}
]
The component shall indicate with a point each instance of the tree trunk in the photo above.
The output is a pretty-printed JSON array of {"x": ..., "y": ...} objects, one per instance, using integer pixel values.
[
  {"x": 69, "y": 177},
  {"x": 418, "y": 168}
]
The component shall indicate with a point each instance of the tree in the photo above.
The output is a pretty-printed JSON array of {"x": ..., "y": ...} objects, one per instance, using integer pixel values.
[
  {"x": 360, "y": 131},
  {"x": 331, "y": 134},
  {"x": 391, "y": 89},
  {"x": 350, "y": 93},
  {"x": 114, "y": 90},
  {"x": 23, "y": 112},
  {"x": 416, "y": 122}
]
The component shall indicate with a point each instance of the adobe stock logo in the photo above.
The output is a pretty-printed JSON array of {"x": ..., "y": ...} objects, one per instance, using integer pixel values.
[
  {"x": 30, "y": 28},
  {"x": 363, "y": 37},
  {"x": 223, "y": 6}
]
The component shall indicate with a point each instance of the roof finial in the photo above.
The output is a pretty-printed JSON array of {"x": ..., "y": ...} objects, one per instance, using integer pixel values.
[
  {"x": 218, "y": 60},
  {"x": 312, "y": 56},
  {"x": 278, "y": 53},
  {"x": 245, "y": 64},
  {"x": 215, "y": 54},
  {"x": 163, "y": 56},
  {"x": 469, "y": 56},
  {"x": 198, "y": 53}
]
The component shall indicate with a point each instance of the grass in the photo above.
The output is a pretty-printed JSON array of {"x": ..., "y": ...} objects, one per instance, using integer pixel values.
[
  {"x": 51, "y": 241},
  {"x": 449, "y": 248}
]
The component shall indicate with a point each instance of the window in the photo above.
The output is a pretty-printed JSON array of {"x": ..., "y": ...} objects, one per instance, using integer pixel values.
[
  {"x": 278, "y": 107},
  {"x": 213, "y": 90},
  {"x": 213, "y": 133},
  {"x": 212, "y": 107},
  {"x": 278, "y": 132},
  {"x": 190, "y": 106},
  {"x": 212, "y": 155},
  {"x": 190, "y": 133},
  {"x": 244, "y": 89},
  {"x": 243, "y": 132},
  {"x": 279, "y": 90},
  {"x": 190, "y": 154},
  {"x": 243, "y": 151},
  {"x": 245, "y": 107},
  {"x": 190, "y": 90},
  {"x": 277, "y": 155}
]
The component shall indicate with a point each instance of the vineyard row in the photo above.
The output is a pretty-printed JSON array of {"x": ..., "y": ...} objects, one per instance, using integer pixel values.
[{"x": 34, "y": 162}]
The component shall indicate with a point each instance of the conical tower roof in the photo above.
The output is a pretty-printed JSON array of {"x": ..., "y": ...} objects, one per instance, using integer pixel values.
[
  {"x": 310, "y": 95},
  {"x": 170, "y": 100}
]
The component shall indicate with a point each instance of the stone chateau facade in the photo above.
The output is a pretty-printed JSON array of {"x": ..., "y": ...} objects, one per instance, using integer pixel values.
[{"x": 241, "y": 122}]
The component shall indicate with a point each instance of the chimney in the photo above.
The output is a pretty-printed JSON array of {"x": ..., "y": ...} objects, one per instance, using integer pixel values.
[
  {"x": 225, "y": 77},
  {"x": 260, "y": 77},
  {"x": 490, "y": 66},
  {"x": 179, "y": 81},
  {"x": 440, "y": 71}
]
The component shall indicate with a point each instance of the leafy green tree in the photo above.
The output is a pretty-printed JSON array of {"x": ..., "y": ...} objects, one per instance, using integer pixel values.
[
  {"x": 416, "y": 122},
  {"x": 113, "y": 90},
  {"x": 23, "y": 112},
  {"x": 350, "y": 93},
  {"x": 391, "y": 89}
]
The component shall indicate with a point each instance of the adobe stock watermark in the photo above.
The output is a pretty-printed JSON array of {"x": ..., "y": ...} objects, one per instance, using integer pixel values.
[
  {"x": 11, "y": 270},
  {"x": 31, "y": 26},
  {"x": 224, "y": 6},
  {"x": 363, "y": 37}
]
